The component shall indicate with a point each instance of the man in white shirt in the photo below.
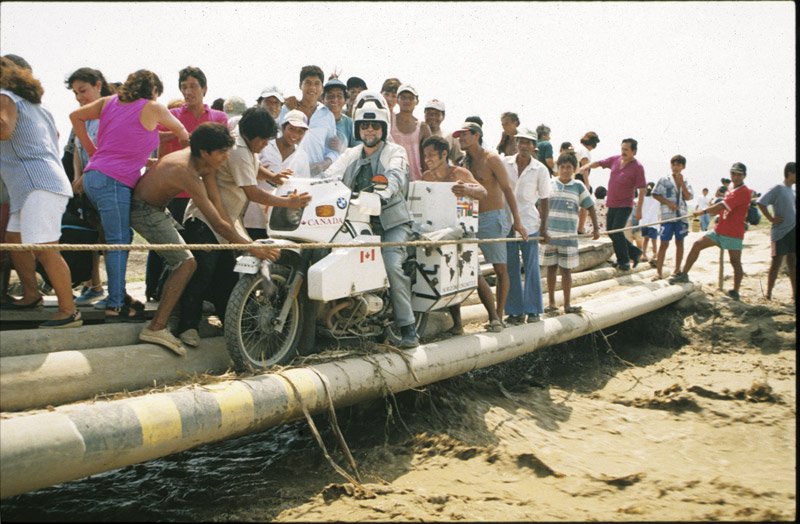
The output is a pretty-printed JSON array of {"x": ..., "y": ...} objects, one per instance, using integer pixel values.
[
  {"x": 702, "y": 203},
  {"x": 434, "y": 116},
  {"x": 531, "y": 182}
]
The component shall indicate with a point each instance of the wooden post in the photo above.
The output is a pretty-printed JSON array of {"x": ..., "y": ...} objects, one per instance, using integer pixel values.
[{"x": 721, "y": 267}]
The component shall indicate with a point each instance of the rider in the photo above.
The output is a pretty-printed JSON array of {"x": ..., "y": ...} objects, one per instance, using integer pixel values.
[{"x": 381, "y": 167}]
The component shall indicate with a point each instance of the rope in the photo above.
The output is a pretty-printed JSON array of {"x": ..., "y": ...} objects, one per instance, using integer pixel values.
[{"x": 309, "y": 245}]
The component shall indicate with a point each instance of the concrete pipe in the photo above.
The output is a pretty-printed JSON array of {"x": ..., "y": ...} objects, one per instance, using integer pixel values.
[{"x": 71, "y": 442}]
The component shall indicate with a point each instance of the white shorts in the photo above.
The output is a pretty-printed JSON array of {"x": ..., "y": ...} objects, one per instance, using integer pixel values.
[{"x": 39, "y": 220}]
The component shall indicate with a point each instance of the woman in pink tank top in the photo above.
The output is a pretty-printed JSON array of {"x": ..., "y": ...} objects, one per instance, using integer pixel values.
[
  {"x": 126, "y": 137},
  {"x": 409, "y": 132}
]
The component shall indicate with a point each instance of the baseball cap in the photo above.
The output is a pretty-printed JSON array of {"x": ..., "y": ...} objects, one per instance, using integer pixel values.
[
  {"x": 409, "y": 88},
  {"x": 295, "y": 117},
  {"x": 334, "y": 83},
  {"x": 530, "y": 134},
  {"x": 271, "y": 91},
  {"x": 354, "y": 81},
  {"x": 435, "y": 104},
  {"x": 738, "y": 167},
  {"x": 468, "y": 126}
]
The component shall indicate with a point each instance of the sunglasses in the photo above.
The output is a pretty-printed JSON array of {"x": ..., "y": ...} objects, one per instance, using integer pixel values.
[{"x": 366, "y": 125}]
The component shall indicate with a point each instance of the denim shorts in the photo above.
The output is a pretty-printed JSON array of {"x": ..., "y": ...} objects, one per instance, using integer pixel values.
[{"x": 493, "y": 224}]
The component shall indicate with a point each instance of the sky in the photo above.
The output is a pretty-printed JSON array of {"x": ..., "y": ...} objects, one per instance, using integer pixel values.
[{"x": 713, "y": 81}]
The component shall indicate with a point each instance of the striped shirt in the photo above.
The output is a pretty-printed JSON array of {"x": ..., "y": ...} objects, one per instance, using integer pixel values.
[
  {"x": 666, "y": 188},
  {"x": 29, "y": 159},
  {"x": 565, "y": 200}
]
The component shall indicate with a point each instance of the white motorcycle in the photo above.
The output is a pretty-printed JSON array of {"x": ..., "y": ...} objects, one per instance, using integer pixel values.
[{"x": 276, "y": 310}]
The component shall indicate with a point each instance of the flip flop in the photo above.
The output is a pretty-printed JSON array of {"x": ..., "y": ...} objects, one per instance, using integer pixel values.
[
  {"x": 549, "y": 310},
  {"x": 495, "y": 326},
  {"x": 36, "y": 304},
  {"x": 573, "y": 309}
]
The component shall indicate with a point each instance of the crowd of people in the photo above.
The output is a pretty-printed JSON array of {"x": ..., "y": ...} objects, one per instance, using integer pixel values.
[{"x": 189, "y": 173}]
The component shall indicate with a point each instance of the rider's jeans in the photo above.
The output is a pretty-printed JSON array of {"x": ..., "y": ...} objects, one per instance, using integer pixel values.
[{"x": 399, "y": 282}]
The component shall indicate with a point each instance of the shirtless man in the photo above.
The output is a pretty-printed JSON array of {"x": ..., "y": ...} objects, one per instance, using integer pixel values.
[
  {"x": 488, "y": 170},
  {"x": 192, "y": 170},
  {"x": 435, "y": 151}
]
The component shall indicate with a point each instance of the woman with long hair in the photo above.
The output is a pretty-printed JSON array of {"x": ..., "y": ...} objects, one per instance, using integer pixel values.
[
  {"x": 126, "y": 136},
  {"x": 38, "y": 188}
]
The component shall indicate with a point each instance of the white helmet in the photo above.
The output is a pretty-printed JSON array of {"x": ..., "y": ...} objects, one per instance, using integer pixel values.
[{"x": 371, "y": 107}]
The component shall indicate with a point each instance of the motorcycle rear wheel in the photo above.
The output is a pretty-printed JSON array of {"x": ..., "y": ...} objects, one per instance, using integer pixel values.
[{"x": 250, "y": 337}]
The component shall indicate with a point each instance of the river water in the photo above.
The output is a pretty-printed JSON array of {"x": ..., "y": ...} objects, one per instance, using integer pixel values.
[{"x": 195, "y": 485}]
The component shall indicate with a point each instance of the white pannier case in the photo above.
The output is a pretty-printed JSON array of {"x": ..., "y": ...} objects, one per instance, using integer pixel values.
[{"x": 446, "y": 274}]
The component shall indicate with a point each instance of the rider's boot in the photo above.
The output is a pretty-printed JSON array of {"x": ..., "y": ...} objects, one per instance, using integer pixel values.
[{"x": 409, "y": 337}]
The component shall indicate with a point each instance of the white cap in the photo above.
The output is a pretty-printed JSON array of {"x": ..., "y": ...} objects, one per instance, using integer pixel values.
[
  {"x": 272, "y": 91},
  {"x": 409, "y": 88},
  {"x": 295, "y": 117},
  {"x": 435, "y": 104}
]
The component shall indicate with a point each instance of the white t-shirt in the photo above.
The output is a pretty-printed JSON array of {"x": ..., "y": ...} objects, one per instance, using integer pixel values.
[
  {"x": 529, "y": 186},
  {"x": 270, "y": 157},
  {"x": 701, "y": 202},
  {"x": 650, "y": 209}
]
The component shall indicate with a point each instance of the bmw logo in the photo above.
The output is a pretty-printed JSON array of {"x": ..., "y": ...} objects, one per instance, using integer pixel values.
[{"x": 341, "y": 203}]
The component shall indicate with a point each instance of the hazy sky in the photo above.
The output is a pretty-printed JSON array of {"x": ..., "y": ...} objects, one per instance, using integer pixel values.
[{"x": 713, "y": 81}]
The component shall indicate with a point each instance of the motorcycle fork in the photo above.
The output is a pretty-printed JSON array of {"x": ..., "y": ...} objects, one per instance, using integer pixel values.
[{"x": 296, "y": 280}]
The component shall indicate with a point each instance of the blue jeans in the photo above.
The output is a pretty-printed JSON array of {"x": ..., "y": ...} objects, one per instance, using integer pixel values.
[
  {"x": 617, "y": 218},
  {"x": 529, "y": 300},
  {"x": 113, "y": 201},
  {"x": 399, "y": 282},
  {"x": 705, "y": 220}
]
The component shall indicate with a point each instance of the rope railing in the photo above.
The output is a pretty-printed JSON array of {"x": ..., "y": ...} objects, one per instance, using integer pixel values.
[{"x": 305, "y": 245}]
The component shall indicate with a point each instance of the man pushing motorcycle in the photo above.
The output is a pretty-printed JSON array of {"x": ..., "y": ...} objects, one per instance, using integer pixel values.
[{"x": 381, "y": 167}]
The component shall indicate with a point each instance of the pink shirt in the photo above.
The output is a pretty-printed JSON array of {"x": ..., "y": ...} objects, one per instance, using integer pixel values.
[
  {"x": 410, "y": 143},
  {"x": 123, "y": 144},
  {"x": 191, "y": 122},
  {"x": 623, "y": 181}
]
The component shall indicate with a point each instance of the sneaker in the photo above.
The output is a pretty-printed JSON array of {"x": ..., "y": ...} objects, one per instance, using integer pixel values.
[
  {"x": 533, "y": 319},
  {"x": 733, "y": 294},
  {"x": 163, "y": 338},
  {"x": 409, "y": 338},
  {"x": 190, "y": 337},
  {"x": 515, "y": 320},
  {"x": 101, "y": 304},
  {"x": 74, "y": 320},
  {"x": 87, "y": 295},
  {"x": 679, "y": 278}
]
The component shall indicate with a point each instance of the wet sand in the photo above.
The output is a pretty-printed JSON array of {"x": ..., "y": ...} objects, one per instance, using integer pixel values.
[{"x": 689, "y": 414}]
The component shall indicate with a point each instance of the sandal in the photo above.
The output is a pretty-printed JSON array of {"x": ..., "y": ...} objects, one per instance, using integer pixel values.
[
  {"x": 550, "y": 310},
  {"x": 124, "y": 314},
  {"x": 495, "y": 326},
  {"x": 16, "y": 306},
  {"x": 573, "y": 309},
  {"x": 74, "y": 320}
]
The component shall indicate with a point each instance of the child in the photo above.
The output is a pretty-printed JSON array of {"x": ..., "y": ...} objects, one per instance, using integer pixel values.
[
  {"x": 567, "y": 196},
  {"x": 673, "y": 192},
  {"x": 650, "y": 216}
]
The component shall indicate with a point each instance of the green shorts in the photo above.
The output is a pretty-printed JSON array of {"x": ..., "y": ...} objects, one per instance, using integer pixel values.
[{"x": 729, "y": 243}]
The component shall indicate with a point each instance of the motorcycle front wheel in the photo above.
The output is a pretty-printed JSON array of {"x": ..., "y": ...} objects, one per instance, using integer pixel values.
[{"x": 251, "y": 337}]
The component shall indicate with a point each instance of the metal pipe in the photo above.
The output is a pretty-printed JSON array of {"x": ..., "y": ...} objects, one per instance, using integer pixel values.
[{"x": 74, "y": 441}]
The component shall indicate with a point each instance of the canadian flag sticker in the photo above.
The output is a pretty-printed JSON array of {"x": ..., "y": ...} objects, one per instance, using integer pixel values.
[{"x": 368, "y": 255}]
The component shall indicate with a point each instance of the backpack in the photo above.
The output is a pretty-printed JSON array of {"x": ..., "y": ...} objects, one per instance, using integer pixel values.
[{"x": 753, "y": 215}]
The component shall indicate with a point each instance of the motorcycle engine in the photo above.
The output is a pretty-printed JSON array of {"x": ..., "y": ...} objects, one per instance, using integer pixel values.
[{"x": 346, "y": 318}]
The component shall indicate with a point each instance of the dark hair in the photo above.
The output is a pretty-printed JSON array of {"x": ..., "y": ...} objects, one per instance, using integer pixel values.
[
  {"x": 542, "y": 130},
  {"x": 114, "y": 86},
  {"x": 21, "y": 62},
  {"x": 194, "y": 72},
  {"x": 512, "y": 116},
  {"x": 311, "y": 70},
  {"x": 210, "y": 137},
  {"x": 590, "y": 139},
  {"x": 90, "y": 76},
  {"x": 565, "y": 145},
  {"x": 789, "y": 169},
  {"x": 478, "y": 120},
  {"x": 391, "y": 85},
  {"x": 218, "y": 104},
  {"x": 705, "y": 189},
  {"x": 567, "y": 158},
  {"x": 256, "y": 122},
  {"x": 438, "y": 143},
  {"x": 20, "y": 81},
  {"x": 632, "y": 142},
  {"x": 600, "y": 192},
  {"x": 138, "y": 85},
  {"x": 679, "y": 159}
]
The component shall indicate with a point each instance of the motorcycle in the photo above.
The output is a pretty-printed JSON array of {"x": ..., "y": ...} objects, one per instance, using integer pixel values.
[{"x": 277, "y": 310}]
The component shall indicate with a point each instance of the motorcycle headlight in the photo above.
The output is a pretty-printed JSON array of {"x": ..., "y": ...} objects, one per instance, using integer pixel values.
[{"x": 285, "y": 218}]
